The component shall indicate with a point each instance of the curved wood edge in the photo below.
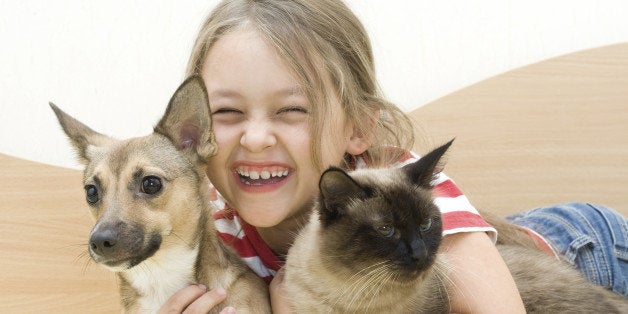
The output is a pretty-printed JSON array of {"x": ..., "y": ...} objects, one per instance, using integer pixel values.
[
  {"x": 551, "y": 132},
  {"x": 43, "y": 240}
]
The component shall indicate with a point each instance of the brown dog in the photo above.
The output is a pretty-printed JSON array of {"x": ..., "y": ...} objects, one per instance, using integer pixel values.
[{"x": 149, "y": 198}]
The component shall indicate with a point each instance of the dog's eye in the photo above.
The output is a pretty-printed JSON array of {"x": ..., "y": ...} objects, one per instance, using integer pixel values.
[
  {"x": 91, "y": 194},
  {"x": 151, "y": 185}
]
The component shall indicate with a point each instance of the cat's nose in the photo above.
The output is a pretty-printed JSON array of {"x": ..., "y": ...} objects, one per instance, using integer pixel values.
[{"x": 419, "y": 251}]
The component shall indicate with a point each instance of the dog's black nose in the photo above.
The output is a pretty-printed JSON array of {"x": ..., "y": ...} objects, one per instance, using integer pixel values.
[{"x": 103, "y": 242}]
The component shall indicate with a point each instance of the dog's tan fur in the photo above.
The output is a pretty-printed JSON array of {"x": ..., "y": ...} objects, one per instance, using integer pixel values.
[{"x": 159, "y": 243}]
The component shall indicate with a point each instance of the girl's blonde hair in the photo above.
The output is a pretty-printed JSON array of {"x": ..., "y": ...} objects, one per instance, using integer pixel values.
[{"x": 320, "y": 40}]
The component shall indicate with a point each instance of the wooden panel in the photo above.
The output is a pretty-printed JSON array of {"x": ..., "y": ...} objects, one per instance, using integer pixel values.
[
  {"x": 44, "y": 226},
  {"x": 551, "y": 132}
]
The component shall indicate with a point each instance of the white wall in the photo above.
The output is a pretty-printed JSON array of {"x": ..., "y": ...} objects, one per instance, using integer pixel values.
[{"x": 114, "y": 64}]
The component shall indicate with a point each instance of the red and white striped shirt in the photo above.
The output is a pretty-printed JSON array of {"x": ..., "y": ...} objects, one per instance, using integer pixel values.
[{"x": 457, "y": 212}]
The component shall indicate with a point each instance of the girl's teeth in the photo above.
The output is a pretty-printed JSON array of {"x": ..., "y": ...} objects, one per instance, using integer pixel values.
[{"x": 264, "y": 174}]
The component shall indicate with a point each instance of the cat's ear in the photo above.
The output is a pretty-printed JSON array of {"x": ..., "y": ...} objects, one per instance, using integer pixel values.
[
  {"x": 337, "y": 189},
  {"x": 187, "y": 121},
  {"x": 422, "y": 171}
]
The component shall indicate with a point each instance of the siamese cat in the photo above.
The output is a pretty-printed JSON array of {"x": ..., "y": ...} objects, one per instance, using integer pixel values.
[{"x": 371, "y": 246}]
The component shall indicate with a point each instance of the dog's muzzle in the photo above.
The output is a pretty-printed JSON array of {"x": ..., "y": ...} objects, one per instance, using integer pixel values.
[{"x": 122, "y": 245}]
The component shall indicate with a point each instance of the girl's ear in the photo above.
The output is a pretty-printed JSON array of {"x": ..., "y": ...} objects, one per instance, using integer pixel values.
[
  {"x": 360, "y": 141},
  {"x": 358, "y": 145}
]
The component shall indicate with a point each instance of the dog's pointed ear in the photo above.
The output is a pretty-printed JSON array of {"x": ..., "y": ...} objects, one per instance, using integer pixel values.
[
  {"x": 82, "y": 137},
  {"x": 187, "y": 121}
]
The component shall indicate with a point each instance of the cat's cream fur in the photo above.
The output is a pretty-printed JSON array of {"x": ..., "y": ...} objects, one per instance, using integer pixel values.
[
  {"x": 314, "y": 288},
  {"x": 318, "y": 281}
]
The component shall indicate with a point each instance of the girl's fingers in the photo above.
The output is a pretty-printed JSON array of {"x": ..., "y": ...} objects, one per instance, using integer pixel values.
[
  {"x": 278, "y": 300},
  {"x": 228, "y": 310},
  {"x": 206, "y": 301},
  {"x": 182, "y": 299}
]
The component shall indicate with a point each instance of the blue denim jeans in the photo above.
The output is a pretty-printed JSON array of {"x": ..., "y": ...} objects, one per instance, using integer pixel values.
[{"x": 593, "y": 238}]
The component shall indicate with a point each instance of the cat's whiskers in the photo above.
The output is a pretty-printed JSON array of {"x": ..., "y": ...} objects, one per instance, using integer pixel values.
[
  {"x": 382, "y": 283},
  {"x": 344, "y": 290},
  {"x": 441, "y": 271},
  {"x": 363, "y": 286},
  {"x": 378, "y": 264}
]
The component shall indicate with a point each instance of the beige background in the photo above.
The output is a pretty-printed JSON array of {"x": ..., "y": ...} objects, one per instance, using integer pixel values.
[{"x": 112, "y": 63}]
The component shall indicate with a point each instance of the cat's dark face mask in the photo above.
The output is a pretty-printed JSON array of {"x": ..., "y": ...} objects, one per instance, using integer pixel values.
[{"x": 382, "y": 225}]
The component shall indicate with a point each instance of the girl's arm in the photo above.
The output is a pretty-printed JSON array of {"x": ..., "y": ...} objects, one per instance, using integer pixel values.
[{"x": 481, "y": 282}]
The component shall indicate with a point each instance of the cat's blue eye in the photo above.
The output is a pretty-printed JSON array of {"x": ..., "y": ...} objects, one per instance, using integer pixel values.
[
  {"x": 426, "y": 226},
  {"x": 387, "y": 231}
]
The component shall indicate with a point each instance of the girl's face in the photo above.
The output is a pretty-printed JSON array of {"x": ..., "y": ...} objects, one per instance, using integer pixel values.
[{"x": 261, "y": 120}]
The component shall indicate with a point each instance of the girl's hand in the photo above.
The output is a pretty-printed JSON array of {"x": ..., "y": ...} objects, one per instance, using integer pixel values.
[
  {"x": 195, "y": 299},
  {"x": 278, "y": 302}
]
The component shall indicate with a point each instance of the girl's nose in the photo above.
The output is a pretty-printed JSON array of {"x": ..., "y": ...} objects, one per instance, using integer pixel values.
[{"x": 257, "y": 136}]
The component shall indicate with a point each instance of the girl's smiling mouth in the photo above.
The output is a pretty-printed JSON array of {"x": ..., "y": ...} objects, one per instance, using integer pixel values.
[{"x": 261, "y": 178}]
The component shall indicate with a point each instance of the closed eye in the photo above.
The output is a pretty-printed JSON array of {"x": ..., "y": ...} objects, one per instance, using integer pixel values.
[
  {"x": 292, "y": 114},
  {"x": 296, "y": 109},
  {"x": 226, "y": 111},
  {"x": 227, "y": 115}
]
